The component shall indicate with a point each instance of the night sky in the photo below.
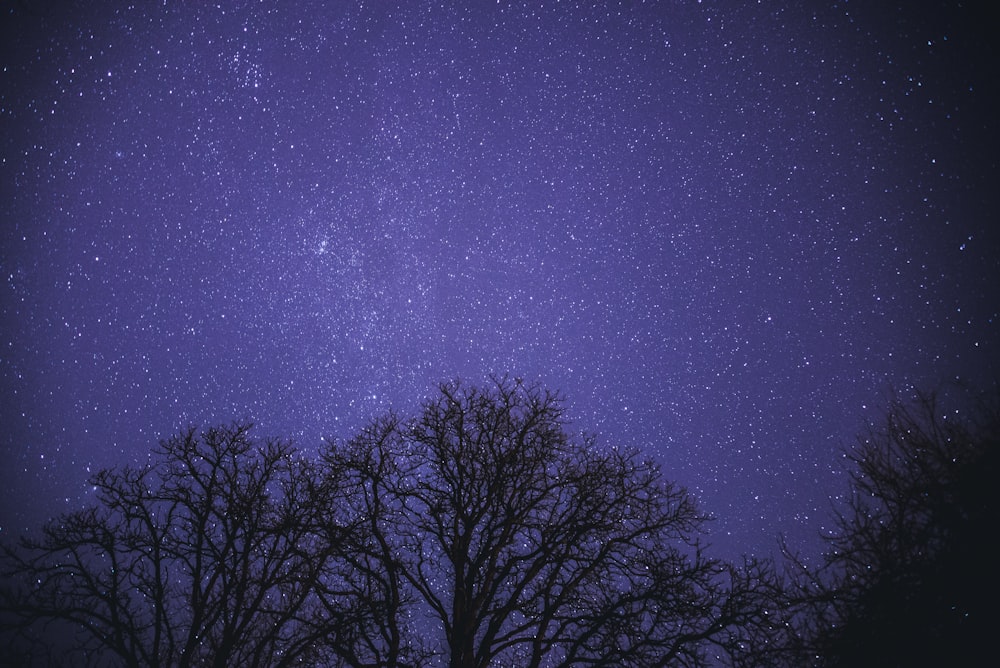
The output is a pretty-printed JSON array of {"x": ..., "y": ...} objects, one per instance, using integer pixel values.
[{"x": 723, "y": 230}]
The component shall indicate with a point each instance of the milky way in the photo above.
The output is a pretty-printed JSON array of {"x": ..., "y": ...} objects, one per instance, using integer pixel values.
[{"x": 723, "y": 230}]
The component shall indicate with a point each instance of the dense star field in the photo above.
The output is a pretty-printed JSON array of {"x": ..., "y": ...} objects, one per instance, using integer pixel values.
[{"x": 724, "y": 230}]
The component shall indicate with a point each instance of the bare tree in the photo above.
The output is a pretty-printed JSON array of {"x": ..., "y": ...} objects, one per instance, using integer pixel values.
[
  {"x": 518, "y": 546},
  {"x": 208, "y": 556},
  {"x": 909, "y": 577},
  {"x": 370, "y": 580},
  {"x": 477, "y": 534}
]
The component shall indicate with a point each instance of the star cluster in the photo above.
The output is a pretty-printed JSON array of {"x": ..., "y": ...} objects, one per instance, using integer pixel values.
[{"x": 724, "y": 230}]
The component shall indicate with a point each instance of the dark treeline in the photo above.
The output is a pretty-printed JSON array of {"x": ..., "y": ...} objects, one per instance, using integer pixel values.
[{"x": 480, "y": 533}]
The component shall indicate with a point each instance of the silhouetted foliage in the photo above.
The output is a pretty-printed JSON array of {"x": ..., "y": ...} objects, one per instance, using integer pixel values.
[
  {"x": 207, "y": 557},
  {"x": 478, "y": 533},
  {"x": 524, "y": 547},
  {"x": 909, "y": 578}
]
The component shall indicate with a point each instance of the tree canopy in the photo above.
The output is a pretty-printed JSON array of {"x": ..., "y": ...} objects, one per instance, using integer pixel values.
[
  {"x": 522, "y": 546},
  {"x": 481, "y": 532},
  {"x": 207, "y": 556},
  {"x": 477, "y": 533},
  {"x": 908, "y": 578}
]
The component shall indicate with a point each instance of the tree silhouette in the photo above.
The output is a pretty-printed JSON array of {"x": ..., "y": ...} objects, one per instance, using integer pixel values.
[
  {"x": 478, "y": 533},
  {"x": 523, "y": 547},
  {"x": 209, "y": 556},
  {"x": 909, "y": 578}
]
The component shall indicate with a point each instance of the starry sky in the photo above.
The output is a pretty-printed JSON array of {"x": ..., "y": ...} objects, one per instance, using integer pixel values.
[{"x": 723, "y": 230}]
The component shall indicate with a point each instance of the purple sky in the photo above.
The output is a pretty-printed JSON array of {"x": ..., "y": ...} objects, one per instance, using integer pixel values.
[{"x": 722, "y": 229}]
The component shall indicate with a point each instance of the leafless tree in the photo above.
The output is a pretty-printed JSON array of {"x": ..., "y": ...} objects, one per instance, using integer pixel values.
[
  {"x": 477, "y": 534},
  {"x": 209, "y": 556},
  {"x": 909, "y": 576},
  {"x": 518, "y": 545}
]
